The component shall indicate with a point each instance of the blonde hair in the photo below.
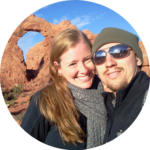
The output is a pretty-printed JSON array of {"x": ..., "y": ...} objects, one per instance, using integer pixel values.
[{"x": 56, "y": 101}]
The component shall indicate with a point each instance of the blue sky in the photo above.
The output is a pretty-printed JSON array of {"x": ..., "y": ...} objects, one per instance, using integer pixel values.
[{"x": 83, "y": 14}]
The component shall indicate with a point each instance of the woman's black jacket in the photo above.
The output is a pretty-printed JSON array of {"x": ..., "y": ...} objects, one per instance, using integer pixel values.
[{"x": 38, "y": 127}]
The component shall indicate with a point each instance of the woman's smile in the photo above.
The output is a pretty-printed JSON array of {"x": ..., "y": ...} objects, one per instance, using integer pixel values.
[
  {"x": 84, "y": 78},
  {"x": 76, "y": 65}
]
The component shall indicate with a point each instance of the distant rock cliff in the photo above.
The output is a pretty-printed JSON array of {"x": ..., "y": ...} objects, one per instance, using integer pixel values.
[
  {"x": 145, "y": 67},
  {"x": 34, "y": 72}
]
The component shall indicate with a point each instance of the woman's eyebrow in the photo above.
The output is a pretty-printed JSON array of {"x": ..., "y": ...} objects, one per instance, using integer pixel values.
[{"x": 73, "y": 61}]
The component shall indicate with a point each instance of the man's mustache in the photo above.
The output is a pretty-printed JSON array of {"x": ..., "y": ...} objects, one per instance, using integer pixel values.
[{"x": 113, "y": 69}]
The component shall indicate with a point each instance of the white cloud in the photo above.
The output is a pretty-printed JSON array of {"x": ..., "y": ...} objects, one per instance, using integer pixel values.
[
  {"x": 93, "y": 13},
  {"x": 97, "y": 17},
  {"x": 56, "y": 21},
  {"x": 79, "y": 22},
  {"x": 76, "y": 20},
  {"x": 64, "y": 18}
]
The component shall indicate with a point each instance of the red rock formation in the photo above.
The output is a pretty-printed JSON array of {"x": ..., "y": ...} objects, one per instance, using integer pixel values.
[
  {"x": 145, "y": 67},
  {"x": 90, "y": 35},
  {"x": 13, "y": 68},
  {"x": 34, "y": 56},
  {"x": 35, "y": 72}
]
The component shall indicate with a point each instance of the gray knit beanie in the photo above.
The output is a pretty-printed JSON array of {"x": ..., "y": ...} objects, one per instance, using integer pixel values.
[{"x": 109, "y": 35}]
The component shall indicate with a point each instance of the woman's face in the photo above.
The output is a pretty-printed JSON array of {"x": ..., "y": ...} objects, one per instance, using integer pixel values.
[{"x": 77, "y": 67}]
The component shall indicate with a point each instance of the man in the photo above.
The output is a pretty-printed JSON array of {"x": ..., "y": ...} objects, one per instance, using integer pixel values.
[{"x": 118, "y": 60}]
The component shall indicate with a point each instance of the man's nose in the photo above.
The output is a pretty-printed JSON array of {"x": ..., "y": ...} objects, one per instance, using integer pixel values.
[{"x": 110, "y": 61}]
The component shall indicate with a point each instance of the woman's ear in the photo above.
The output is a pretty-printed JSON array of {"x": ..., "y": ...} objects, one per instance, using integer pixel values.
[{"x": 57, "y": 66}]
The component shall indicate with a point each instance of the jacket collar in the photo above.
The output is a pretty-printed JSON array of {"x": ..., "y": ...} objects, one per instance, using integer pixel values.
[{"x": 139, "y": 83}]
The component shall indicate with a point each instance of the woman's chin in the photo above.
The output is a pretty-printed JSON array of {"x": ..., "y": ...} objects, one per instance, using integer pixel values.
[{"x": 86, "y": 84}]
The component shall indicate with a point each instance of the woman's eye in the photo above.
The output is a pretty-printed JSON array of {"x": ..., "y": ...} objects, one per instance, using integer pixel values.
[
  {"x": 73, "y": 64},
  {"x": 88, "y": 59}
]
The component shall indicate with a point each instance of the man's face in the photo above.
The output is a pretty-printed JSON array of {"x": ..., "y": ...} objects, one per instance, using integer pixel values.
[{"x": 117, "y": 73}]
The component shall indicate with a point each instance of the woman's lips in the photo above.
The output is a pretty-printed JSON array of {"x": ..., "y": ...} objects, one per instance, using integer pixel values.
[{"x": 84, "y": 78}]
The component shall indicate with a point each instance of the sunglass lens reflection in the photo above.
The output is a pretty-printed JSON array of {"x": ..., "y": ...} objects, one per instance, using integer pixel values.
[
  {"x": 100, "y": 57},
  {"x": 119, "y": 51}
]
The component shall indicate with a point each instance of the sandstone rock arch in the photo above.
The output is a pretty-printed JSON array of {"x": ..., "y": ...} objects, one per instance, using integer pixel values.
[
  {"x": 14, "y": 70},
  {"x": 13, "y": 67}
]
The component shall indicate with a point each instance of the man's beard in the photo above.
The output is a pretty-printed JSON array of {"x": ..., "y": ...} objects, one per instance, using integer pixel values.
[{"x": 117, "y": 86}]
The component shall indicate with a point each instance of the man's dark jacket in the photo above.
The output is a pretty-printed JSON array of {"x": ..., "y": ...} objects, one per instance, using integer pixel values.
[{"x": 129, "y": 102}]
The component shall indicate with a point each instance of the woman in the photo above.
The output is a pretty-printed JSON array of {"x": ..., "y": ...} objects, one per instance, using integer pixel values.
[{"x": 68, "y": 113}]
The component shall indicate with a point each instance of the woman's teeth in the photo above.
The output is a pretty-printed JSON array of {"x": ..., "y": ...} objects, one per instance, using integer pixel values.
[{"x": 83, "y": 77}]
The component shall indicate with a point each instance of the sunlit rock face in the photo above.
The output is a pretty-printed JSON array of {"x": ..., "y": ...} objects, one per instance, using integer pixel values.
[{"x": 34, "y": 72}]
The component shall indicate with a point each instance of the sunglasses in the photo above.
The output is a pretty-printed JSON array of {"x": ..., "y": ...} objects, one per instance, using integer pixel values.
[{"x": 118, "y": 52}]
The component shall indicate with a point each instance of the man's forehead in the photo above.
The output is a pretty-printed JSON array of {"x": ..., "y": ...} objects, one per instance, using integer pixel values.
[{"x": 107, "y": 45}]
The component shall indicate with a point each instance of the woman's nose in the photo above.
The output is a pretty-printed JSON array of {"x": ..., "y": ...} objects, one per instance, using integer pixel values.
[{"x": 83, "y": 68}]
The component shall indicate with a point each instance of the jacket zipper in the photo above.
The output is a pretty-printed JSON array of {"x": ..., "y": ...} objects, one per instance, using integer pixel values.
[
  {"x": 116, "y": 106},
  {"x": 110, "y": 129}
]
